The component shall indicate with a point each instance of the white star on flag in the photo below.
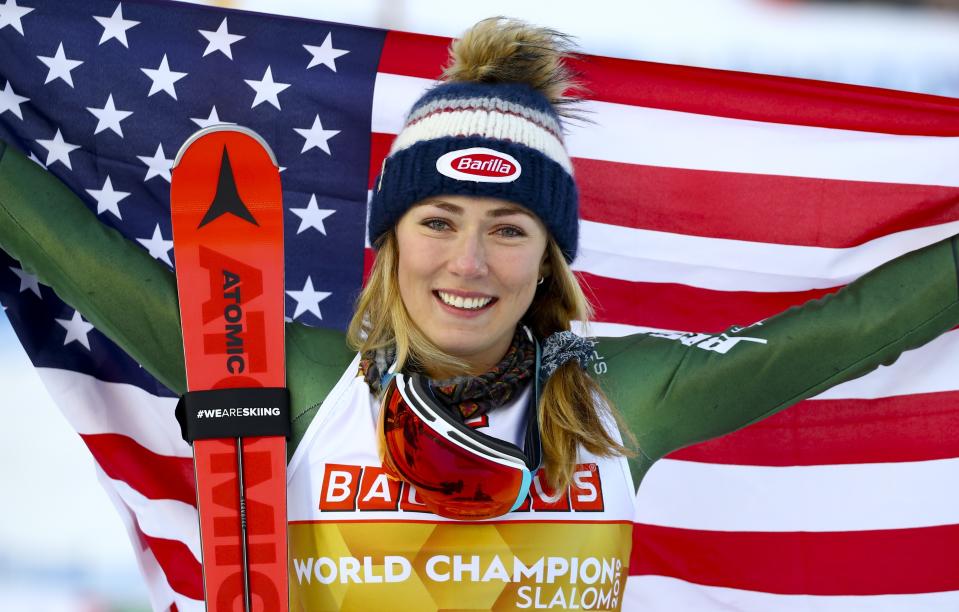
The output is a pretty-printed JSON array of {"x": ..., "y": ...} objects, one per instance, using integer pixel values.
[
  {"x": 11, "y": 14},
  {"x": 308, "y": 299},
  {"x": 27, "y": 281},
  {"x": 108, "y": 199},
  {"x": 266, "y": 89},
  {"x": 158, "y": 247},
  {"x": 163, "y": 78},
  {"x": 108, "y": 117},
  {"x": 77, "y": 330},
  {"x": 324, "y": 54},
  {"x": 220, "y": 40},
  {"x": 213, "y": 119},
  {"x": 58, "y": 150},
  {"x": 59, "y": 66},
  {"x": 10, "y": 101},
  {"x": 312, "y": 216},
  {"x": 158, "y": 165},
  {"x": 316, "y": 136},
  {"x": 115, "y": 26}
]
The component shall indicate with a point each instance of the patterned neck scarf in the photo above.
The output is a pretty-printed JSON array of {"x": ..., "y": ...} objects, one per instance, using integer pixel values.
[{"x": 469, "y": 396}]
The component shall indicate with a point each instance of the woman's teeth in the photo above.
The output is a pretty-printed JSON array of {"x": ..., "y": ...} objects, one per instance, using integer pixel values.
[{"x": 470, "y": 303}]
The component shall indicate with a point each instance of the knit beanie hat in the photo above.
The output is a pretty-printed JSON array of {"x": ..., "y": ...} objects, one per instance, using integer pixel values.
[{"x": 491, "y": 128}]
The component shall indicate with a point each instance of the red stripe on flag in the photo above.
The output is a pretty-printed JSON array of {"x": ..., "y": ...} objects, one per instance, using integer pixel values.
[
  {"x": 181, "y": 568},
  {"x": 369, "y": 256},
  {"x": 721, "y": 93},
  {"x": 153, "y": 476},
  {"x": 684, "y": 308},
  {"x": 808, "y": 211},
  {"x": 415, "y": 55},
  {"x": 379, "y": 148},
  {"x": 902, "y": 561},
  {"x": 917, "y": 427},
  {"x": 760, "y": 97}
]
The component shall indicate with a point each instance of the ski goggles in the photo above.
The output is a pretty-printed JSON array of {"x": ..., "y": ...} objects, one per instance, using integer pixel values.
[{"x": 458, "y": 472}]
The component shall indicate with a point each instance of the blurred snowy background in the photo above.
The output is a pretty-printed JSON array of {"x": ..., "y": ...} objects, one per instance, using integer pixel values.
[{"x": 62, "y": 547}]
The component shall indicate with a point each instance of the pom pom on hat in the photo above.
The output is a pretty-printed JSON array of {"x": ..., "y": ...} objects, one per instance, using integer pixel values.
[{"x": 501, "y": 50}]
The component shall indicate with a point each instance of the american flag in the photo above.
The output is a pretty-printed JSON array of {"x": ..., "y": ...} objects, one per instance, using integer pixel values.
[{"x": 709, "y": 198}]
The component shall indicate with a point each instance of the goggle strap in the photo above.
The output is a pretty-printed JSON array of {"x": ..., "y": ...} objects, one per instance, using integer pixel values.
[{"x": 420, "y": 398}]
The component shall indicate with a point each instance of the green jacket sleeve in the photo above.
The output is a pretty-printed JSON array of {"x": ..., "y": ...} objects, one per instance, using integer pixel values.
[
  {"x": 675, "y": 389},
  {"x": 126, "y": 293},
  {"x": 116, "y": 285}
]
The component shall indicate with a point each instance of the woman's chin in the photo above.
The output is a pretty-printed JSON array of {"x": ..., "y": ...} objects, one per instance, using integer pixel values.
[
  {"x": 473, "y": 348},
  {"x": 460, "y": 347}
]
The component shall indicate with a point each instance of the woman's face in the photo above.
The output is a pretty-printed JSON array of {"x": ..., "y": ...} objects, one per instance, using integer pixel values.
[{"x": 468, "y": 268}]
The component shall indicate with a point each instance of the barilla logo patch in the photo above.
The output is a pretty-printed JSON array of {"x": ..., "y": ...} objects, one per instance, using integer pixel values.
[{"x": 480, "y": 165}]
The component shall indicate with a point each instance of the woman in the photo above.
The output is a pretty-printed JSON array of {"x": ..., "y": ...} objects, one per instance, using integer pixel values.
[{"x": 475, "y": 220}]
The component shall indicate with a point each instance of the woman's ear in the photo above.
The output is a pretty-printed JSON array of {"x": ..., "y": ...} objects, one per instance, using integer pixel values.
[{"x": 544, "y": 264}]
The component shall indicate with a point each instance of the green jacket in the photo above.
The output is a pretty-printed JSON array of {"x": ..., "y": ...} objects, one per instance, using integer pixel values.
[{"x": 673, "y": 390}]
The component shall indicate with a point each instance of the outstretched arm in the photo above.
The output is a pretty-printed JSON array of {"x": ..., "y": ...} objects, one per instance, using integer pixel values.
[
  {"x": 115, "y": 285},
  {"x": 678, "y": 389}
]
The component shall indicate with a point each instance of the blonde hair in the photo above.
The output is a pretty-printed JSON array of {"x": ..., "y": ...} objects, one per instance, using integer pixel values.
[{"x": 572, "y": 405}]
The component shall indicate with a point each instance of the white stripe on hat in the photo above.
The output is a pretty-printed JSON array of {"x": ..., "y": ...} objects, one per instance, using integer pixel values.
[
  {"x": 488, "y": 104},
  {"x": 488, "y": 124}
]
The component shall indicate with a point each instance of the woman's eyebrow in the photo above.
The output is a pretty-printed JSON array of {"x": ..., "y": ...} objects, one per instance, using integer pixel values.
[
  {"x": 455, "y": 209},
  {"x": 447, "y": 206},
  {"x": 505, "y": 212}
]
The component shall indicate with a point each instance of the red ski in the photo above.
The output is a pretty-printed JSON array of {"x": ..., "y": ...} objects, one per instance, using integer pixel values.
[{"x": 227, "y": 211}]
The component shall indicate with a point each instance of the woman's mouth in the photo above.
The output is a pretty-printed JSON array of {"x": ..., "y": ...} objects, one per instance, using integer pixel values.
[{"x": 473, "y": 303}]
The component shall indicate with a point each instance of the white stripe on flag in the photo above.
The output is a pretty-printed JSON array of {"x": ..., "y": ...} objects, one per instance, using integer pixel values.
[
  {"x": 163, "y": 518},
  {"x": 663, "y": 594},
  {"x": 721, "y": 264},
  {"x": 854, "y": 497},
  {"x": 393, "y": 97},
  {"x": 93, "y": 406},
  {"x": 656, "y": 137},
  {"x": 927, "y": 369}
]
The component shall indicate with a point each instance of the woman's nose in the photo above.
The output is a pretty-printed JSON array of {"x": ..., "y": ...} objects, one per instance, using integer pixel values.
[{"x": 469, "y": 258}]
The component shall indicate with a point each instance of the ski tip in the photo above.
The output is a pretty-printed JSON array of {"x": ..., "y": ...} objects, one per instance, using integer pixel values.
[{"x": 223, "y": 127}]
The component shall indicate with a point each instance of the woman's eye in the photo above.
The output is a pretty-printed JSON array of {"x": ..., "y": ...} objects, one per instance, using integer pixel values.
[
  {"x": 510, "y": 231},
  {"x": 437, "y": 225}
]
